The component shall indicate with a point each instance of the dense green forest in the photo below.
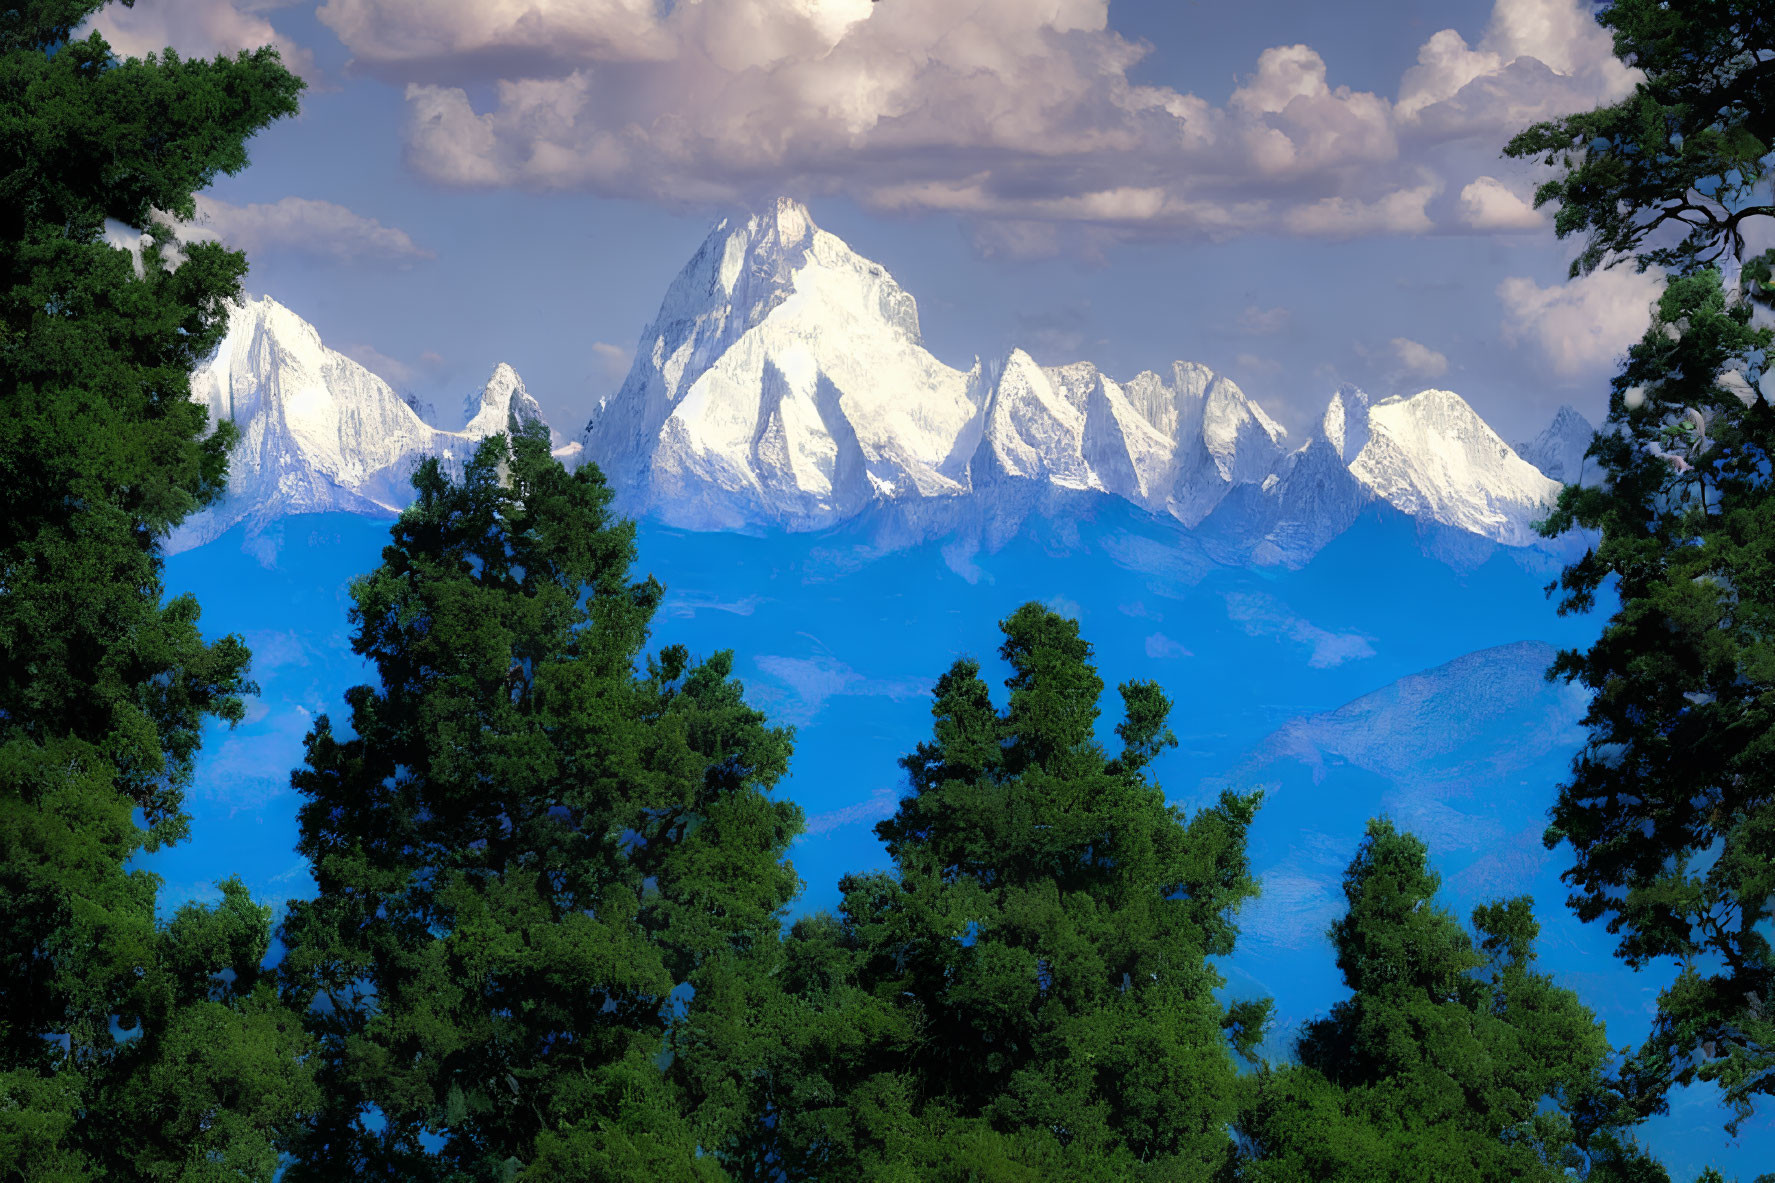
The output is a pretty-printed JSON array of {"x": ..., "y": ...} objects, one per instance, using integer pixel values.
[{"x": 549, "y": 939}]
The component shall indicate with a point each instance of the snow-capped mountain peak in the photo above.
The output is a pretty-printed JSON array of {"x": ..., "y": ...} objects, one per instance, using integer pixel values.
[
  {"x": 318, "y": 430},
  {"x": 784, "y": 381},
  {"x": 489, "y": 409},
  {"x": 1559, "y": 450},
  {"x": 1432, "y": 456},
  {"x": 1345, "y": 423}
]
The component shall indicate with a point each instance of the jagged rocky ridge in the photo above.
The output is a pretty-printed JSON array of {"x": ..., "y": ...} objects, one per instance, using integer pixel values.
[
  {"x": 1559, "y": 450},
  {"x": 320, "y": 432},
  {"x": 784, "y": 384}
]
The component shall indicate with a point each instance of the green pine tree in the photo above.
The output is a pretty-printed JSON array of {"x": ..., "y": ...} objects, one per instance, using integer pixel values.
[
  {"x": 128, "y": 1049},
  {"x": 1450, "y": 1061},
  {"x": 529, "y": 854},
  {"x": 1028, "y": 995},
  {"x": 1670, "y": 809}
]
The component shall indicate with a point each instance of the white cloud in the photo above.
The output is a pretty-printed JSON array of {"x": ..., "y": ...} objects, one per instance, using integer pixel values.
[
  {"x": 1262, "y": 615},
  {"x": 1400, "y": 212},
  {"x": 1537, "y": 59},
  {"x": 1417, "y": 360},
  {"x": 1298, "y": 123},
  {"x": 1262, "y": 322},
  {"x": 613, "y": 360},
  {"x": 520, "y": 33},
  {"x": 1489, "y": 204},
  {"x": 1009, "y": 112},
  {"x": 1065, "y": 606},
  {"x": 881, "y": 804},
  {"x": 1158, "y": 645},
  {"x": 196, "y": 28},
  {"x": 304, "y": 226},
  {"x": 1582, "y": 327},
  {"x": 1254, "y": 364},
  {"x": 391, "y": 370},
  {"x": 688, "y": 604}
]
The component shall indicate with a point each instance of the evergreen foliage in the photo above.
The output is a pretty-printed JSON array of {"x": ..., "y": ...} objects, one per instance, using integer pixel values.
[
  {"x": 1027, "y": 996},
  {"x": 529, "y": 854},
  {"x": 128, "y": 1049},
  {"x": 1450, "y": 1061},
  {"x": 1670, "y": 809},
  {"x": 1669, "y": 175}
]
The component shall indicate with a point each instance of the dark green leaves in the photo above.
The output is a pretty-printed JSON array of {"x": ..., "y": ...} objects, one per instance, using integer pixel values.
[
  {"x": 1448, "y": 1061},
  {"x": 1670, "y": 809},
  {"x": 1671, "y": 174},
  {"x": 127, "y": 1049},
  {"x": 535, "y": 861},
  {"x": 1028, "y": 997}
]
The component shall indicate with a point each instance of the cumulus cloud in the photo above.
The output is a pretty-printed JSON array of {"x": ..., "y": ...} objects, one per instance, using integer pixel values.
[
  {"x": 1403, "y": 211},
  {"x": 612, "y": 360},
  {"x": 304, "y": 226},
  {"x": 1262, "y": 615},
  {"x": 1489, "y": 204},
  {"x": 1158, "y": 645},
  {"x": 1417, "y": 360},
  {"x": 1537, "y": 59},
  {"x": 197, "y": 28},
  {"x": 1262, "y": 322},
  {"x": 1582, "y": 327},
  {"x": 1021, "y": 115},
  {"x": 390, "y": 369}
]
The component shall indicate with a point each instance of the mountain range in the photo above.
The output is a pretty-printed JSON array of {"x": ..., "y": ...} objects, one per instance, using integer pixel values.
[{"x": 784, "y": 385}]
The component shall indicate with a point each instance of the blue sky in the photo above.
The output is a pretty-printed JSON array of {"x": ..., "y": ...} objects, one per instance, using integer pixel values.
[{"x": 1274, "y": 188}]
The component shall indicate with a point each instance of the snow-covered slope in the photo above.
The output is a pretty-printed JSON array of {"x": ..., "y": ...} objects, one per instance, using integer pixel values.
[
  {"x": 783, "y": 382},
  {"x": 318, "y": 431},
  {"x": 1429, "y": 456},
  {"x": 488, "y": 409},
  {"x": 1173, "y": 447},
  {"x": 1559, "y": 450},
  {"x": 1433, "y": 457}
]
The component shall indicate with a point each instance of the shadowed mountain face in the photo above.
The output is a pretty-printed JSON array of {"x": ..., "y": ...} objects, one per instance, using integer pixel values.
[{"x": 1559, "y": 450}]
